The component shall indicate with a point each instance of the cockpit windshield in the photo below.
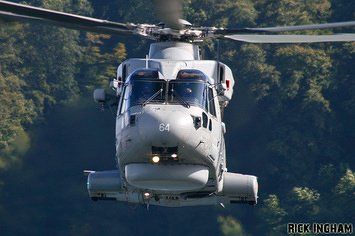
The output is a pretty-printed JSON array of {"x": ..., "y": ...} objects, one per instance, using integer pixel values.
[
  {"x": 147, "y": 91},
  {"x": 189, "y": 87},
  {"x": 188, "y": 92},
  {"x": 145, "y": 87}
]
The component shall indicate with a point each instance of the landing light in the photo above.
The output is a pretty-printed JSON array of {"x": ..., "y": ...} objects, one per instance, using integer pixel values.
[
  {"x": 156, "y": 159},
  {"x": 174, "y": 155}
]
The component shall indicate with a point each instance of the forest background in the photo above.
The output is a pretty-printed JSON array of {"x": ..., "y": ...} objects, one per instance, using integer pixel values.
[{"x": 290, "y": 122}]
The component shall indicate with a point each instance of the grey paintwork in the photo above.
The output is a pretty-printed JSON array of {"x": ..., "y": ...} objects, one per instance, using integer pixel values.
[{"x": 199, "y": 175}]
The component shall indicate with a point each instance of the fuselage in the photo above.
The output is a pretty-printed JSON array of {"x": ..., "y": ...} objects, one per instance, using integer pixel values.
[
  {"x": 169, "y": 109},
  {"x": 169, "y": 132},
  {"x": 169, "y": 124}
]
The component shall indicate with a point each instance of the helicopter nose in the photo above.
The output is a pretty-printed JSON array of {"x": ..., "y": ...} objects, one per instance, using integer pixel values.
[{"x": 165, "y": 127}]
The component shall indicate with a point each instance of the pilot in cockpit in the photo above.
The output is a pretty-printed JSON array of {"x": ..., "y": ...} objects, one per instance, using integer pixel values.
[{"x": 144, "y": 94}]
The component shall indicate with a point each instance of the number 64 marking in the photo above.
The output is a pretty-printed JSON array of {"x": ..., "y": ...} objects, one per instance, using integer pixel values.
[{"x": 164, "y": 127}]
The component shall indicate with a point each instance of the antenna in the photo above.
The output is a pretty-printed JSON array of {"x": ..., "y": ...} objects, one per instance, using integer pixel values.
[
  {"x": 146, "y": 61},
  {"x": 218, "y": 52}
]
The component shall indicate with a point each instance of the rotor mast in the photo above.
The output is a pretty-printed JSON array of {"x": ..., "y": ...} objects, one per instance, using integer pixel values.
[{"x": 174, "y": 51}]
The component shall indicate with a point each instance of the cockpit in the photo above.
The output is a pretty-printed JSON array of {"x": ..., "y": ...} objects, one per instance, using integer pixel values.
[{"x": 190, "y": 88}]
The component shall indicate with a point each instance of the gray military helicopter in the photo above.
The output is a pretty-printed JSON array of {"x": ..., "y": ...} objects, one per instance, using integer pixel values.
[{"x": 169, "y": 131}]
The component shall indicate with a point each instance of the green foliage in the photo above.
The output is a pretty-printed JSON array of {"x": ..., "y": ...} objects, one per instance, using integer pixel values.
[
  {"x": 231, "y": 226},
  {"x": 304, "y": 202},
  {"x": 81, "y": 7},
  {"x": 343, "y": 200},
  {"x": 300, "y": 128},
  {"x": 134, "y": 11},
  {"x": 304, "y": 69},
  {"x": 221, "y": 13},
  {"x": 17, "y": 112},
  {"x": 251, "y": 67},
  {"x": 37, "y": 69},
  {"x": 97, "y": 69},
  {"x": 273, "y": 215},
  {"x": 329, "y": 204},
  {"x": 51, "y": 61},
  {"x": 291, "y": 12},
  {"x": 343, "y": 10},
  {"x": 302, "y": 113},
  {"x": 346, "y": 184}
]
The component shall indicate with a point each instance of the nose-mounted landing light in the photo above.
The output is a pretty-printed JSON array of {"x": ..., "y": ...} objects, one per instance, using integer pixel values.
[
  {"x": 165, "y": 154},
  {"x": 155, "y": 159}
]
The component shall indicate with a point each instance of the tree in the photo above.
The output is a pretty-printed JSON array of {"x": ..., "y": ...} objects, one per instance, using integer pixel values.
[
  {"x": 302, "y": 204},
  {"x": 51, "y": 57},
  {"x": 231, "y": 226},
  {"x": 97, "y": 69},
  {"x": 221, "y": 13},
  {"x": 37, "y": 69},
  {"x": 273, "y": 216},
  {"x": 17, "y": 112},
  {"x": 342, "y": 200},
  {"x": 291, "y": 12}
]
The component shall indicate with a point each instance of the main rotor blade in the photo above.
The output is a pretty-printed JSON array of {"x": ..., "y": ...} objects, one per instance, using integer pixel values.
[
  {"x": 285, "y": 28},
  {"x": 291, "y": 38},
  {"x": 18, "y": 12},
  {"x": 169, "y": 12}
]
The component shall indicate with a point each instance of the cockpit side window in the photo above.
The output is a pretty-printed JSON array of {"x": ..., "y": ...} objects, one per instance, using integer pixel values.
[
  {"x": 211, "y": 102},
  {"x": 124, "y": 103}
]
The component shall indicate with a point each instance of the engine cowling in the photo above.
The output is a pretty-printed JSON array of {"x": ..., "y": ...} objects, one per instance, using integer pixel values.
[
  {"x": 104, "y": 184},
  {"x": 240, "y": 188}
]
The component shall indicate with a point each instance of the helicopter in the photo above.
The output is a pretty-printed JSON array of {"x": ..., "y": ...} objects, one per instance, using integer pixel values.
[{"x": 170, "y": 147}]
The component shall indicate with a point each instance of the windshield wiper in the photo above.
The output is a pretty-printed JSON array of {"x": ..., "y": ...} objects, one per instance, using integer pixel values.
[
  {"x": 152, "y": 97},
  {"x": 180, "y": 98}
]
